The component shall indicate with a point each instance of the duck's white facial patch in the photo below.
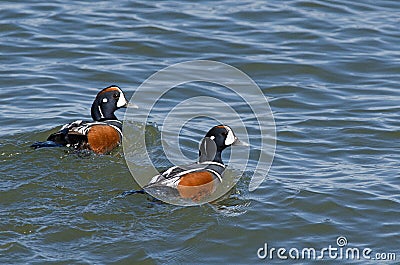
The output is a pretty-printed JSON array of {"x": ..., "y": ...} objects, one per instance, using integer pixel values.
[
  {"x": 122, "y": 100},
  {"x": 230, "y": 137},
  {"x": 105, "y": 100},
  {"x": 212, "y": 137}
]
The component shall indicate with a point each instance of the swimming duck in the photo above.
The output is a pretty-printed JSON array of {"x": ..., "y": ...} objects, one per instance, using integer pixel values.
[
  {"x": 102, "y": 134},
  {"x": 197, "y": 180}
]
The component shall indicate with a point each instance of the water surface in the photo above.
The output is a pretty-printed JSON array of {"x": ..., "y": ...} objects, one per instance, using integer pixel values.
[{"x": 330, "y": 70}]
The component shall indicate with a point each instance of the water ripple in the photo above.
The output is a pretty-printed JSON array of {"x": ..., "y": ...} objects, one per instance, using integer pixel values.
[{"x": 330, "y": 70}]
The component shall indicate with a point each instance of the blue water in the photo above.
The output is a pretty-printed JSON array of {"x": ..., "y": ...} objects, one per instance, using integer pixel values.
[{"x": 330, "y": 71}]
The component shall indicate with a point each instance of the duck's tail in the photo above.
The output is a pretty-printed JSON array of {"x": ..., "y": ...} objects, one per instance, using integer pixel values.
[
  {"x": 45, "y": 144},
  {"x": 131, "y": 192},
  {"x": 57, "y": 139}
]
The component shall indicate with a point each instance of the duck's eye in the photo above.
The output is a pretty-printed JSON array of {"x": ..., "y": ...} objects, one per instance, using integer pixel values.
[
  {"x": 224, "y": 133},
  {"x": 116, "y": 95}
]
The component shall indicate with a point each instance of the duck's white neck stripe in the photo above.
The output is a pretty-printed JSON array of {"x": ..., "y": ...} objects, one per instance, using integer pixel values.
[{"x": 101, "y": 113}]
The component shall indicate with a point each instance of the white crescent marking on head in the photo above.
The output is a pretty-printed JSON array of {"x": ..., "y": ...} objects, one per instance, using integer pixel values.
[
  {"x": 230, "y": 138},
  {"x": 122, "y": 100}
]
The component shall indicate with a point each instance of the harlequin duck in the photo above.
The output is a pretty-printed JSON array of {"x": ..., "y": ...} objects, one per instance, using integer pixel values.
[
  {"x": 101, "y": 135},
  {"x": 195, "y": 181}
]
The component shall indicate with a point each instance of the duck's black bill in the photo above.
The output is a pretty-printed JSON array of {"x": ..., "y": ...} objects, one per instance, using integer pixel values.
[
  {"x": 130, "y": 105},
  {"x": 237, "y": 142}
]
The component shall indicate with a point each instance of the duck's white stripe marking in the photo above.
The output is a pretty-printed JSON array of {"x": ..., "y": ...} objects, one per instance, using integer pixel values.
[
  {"x": 163, "y": 175},
  {"x": 116, "y": 128},
  {"x": 154, "y": 179},
  {"x": 212, "y": 163},
  {"x": 122, "y": 100},
  {"x": 101, "y": 113},
  {"x": 166, "y": 173},
  {"x": 216, "y": 174},
  {"x": 230, "y": 138},
  {"x": 187, "y": 172},
  {"x": 200, "y": 170},
  {"x": 83, "y": 128},
  {"x": 172, "y": 182}
]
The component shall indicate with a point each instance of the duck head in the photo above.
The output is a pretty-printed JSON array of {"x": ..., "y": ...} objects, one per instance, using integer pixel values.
[
  {"x": 216, "y": 140},
  {"x": 107, "y": 102}
]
